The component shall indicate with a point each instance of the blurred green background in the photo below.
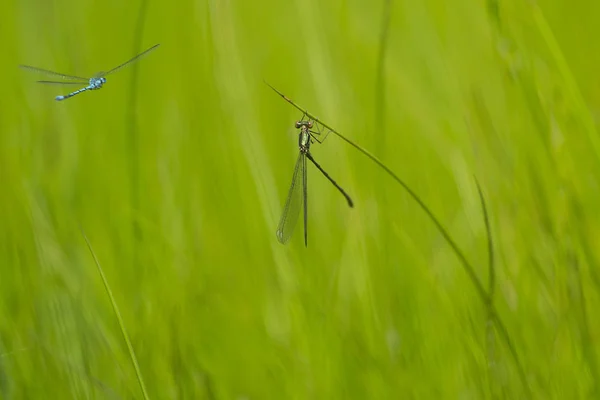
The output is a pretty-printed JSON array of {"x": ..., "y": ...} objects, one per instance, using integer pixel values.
[{"x": 178, "y": 171}]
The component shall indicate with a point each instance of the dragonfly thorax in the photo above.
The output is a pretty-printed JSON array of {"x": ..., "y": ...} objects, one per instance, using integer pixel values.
[
  {"x": 96, "y": 83},
  {"x": 304, "y": 140},
  {"x": 304, "y": 137}
]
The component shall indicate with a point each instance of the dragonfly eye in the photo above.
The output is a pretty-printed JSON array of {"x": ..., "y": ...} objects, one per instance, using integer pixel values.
[
  {"x": 310, "y": 124},
  {"x": 298, "y": 124}
]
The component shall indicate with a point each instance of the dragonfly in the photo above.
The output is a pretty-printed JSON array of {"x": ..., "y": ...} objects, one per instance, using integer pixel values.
[
  {"x": 94, "y": 83},
  {"x": 468, "y": 267},
  {"x": 310, "y": 131}
]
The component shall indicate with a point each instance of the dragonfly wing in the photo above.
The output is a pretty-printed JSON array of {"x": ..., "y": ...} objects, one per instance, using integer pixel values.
[
  {"x": 52, "y": 73},
  {"x": 294, "y": 201},
  {"x": 63, "y": 83},
  {"x": 115, "y": 69}
]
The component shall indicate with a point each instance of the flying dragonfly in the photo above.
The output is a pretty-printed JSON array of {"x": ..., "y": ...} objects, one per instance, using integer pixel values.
[
  {"x": 310, "y": 131},
  {"x": 94, "y": 83}
]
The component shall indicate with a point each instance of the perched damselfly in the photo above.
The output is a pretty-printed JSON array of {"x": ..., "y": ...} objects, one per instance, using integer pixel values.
[
  {"x": 94, "y": 83},
  {"x": 296, "y": 198},
  {"x": 319, "y": 123}
]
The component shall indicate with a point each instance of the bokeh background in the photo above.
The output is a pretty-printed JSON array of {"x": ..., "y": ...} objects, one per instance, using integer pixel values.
[{"x": 178, "y": 169}]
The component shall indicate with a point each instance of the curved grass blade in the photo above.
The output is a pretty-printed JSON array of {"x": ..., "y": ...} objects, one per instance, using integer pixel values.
[
  {"x": 467, "y": 266},
  {"x": 489, "y": 325},
  {"x": 380, "y": 76},
  {"x": 296, "y": 197},
  {"x": 490, "y": 243},
  {"x": 126, "y": 63},
  {"x": 576, "y": 96},
  {"x": 483, "y": 295},
  {"x": 493, "y": 318},
  {"x": 118, "y": 315},
  {"x": 133, "y": 134},
  {"x": 52, "y": 73}
]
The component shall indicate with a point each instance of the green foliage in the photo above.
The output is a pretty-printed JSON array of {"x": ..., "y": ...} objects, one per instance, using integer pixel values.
[{"x": 178, "y": 169}]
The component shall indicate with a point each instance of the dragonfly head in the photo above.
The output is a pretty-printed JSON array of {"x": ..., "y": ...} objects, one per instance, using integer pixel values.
[
  {"x": 300, "y": 124},
  {"x": 99, "y": 77}
]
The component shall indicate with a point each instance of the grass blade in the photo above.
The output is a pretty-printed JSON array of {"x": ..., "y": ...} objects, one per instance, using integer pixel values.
[
  {"x": 570, "y": 82},
  {"x": 113, "y": 302},
  {"x": 481, "y": 292},
  {"x": 492, "y": 317}
]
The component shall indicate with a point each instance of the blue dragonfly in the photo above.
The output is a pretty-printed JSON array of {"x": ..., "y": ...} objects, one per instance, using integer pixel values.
[{"x": 94, "y": 83}]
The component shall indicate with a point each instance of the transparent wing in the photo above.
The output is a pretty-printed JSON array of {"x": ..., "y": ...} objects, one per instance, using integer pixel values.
[
  {"x": 64, "y": 83},
  {"x": 115, "y": 69},
  {"x": 46, "y": 72},
  {"x": 294, "y": 201}
]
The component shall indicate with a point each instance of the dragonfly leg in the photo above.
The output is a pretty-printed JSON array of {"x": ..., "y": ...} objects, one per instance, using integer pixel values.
[{"x": 316, "y": 134}]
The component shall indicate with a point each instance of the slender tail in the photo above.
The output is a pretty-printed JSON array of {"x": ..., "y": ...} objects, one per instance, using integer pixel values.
[
  {"x": 305, "y": 200},
  {"x": 348, "y": 199},
  {"x": 60, "y": 98}
]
